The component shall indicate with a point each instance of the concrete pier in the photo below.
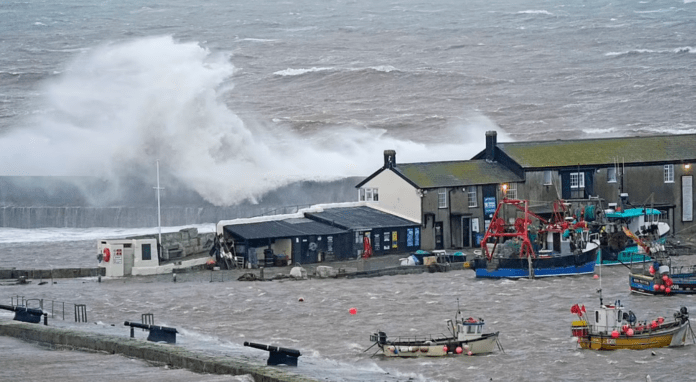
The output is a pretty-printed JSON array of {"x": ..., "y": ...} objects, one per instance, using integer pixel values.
[
  {"x": 162, "y": 354},
  {"x": 47, "y": 274}
]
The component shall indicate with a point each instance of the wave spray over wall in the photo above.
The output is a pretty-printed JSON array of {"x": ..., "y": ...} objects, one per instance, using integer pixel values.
[{"x": 118, "y": 108}]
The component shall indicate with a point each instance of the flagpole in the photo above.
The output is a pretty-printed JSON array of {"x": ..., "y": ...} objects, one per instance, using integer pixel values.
[{"x": 159, "y": 215}]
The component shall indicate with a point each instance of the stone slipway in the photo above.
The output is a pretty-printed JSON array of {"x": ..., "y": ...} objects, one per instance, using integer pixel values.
[{"x": 162, "y": 354}]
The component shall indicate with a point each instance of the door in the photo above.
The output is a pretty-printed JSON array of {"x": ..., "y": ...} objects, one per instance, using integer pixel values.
[
  {"x": 439, "y": 244},
  {"x": 466, "y": 232},
  {"x": 687, "y": 198}
]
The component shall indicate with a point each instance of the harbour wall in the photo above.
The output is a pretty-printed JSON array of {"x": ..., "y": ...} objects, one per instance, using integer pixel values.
[
  {"x": 158, "y": 354},
  {"x": 48, "y": 274},
  {"x": 85, "y": 202}
]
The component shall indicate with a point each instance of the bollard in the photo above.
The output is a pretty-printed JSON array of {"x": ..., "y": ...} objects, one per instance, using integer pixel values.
[
  {"x": 277, "y": 355},
  {"x": 157, "y": 333},
  {"x": 25, "y": 314}
]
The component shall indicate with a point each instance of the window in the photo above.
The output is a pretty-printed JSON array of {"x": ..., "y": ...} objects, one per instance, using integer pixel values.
[
  {"x": 473, "y": 199},
  {"x": 611, "y": 175},
  {"x": 577, "y": 185},
  {"x": 368, "y": 194},
  {"x": 547, "y": 178},
  {"x": 147, "y": 252},
  {"x": 511, "y": 192},
  {"x": 669, "y": 173},
  {"x": 577, "y": 180},
  {"x": 442, "y": 198}
]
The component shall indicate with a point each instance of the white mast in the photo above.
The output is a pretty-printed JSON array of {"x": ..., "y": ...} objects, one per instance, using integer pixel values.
[{"x": 159, "y": 216}]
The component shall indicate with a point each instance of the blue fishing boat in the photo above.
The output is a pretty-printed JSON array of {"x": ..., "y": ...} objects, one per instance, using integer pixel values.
[
  {"x": 528, "y": 246},
  {"x": 660, "y": 277},
  {"x": 623, "y": 230}
]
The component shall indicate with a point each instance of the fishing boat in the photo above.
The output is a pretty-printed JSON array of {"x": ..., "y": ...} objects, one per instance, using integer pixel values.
[
  {"x": 527, "y": 245},
  {"x": 624, "y": 228},
  {"x": 661, "y": 278},
  {"x": 612, "y": 327},
  {"x": 466, "y": 337}
]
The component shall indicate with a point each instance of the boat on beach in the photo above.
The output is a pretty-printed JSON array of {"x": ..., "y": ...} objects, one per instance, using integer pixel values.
[
  {"x": 613, "y": 327},
  {"x": 527, "y": 245},
  {"x": 466, "y": 337}
]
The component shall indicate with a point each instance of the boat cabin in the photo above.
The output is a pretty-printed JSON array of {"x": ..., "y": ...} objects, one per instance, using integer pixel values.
[
  {"x": 609, "y": 317},
  {"x": 469, "y": 329}
]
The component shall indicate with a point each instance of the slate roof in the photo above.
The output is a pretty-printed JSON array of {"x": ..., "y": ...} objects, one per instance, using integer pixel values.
[
  {"x": 360, "y": 217},
  {"x": 602, "y": 151},
  {"x": 281, "y": 229},
  {"x": 455, "y": 173}
]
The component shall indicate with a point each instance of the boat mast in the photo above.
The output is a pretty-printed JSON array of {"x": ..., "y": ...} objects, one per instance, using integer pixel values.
[{"x": 159, "y": 216}]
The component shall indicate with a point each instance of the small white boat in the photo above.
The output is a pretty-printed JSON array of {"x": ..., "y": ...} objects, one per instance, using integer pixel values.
[{"x": 467, "y": 338}]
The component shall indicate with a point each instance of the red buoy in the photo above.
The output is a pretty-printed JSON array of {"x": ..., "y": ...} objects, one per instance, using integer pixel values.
[
  {"x": 353, "y": 311},
  {"x": 614, "y": 334}
]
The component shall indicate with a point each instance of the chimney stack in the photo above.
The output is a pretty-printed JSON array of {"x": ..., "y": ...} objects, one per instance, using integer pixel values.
[
  {"x": 491, "y": 142},
  {"x": 389, "y": 158}
]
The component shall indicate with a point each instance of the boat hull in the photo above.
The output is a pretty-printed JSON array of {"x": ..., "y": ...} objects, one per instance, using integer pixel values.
[
  {"x": 629, "y": 255},
  {"x": 413, "y": 349},
  {"x": 682, "y": 284},
  {"x": 657, "y": 339},
  {"x": 542, "y": 267}
]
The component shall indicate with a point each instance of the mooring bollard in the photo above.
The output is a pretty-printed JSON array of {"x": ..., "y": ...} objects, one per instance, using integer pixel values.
[{"x": 277, "y": 355}]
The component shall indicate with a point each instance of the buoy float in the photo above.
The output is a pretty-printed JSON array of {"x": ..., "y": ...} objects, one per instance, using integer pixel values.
[
  {"x": 353, "y": 311},
  {"x": 466, "y": 347},
  {"x": 665, "y": 277},
  {"x": 469, "y": 353},
  {"x": 629, "y": 332},
  {"x": 301, "y": 299},
  {"x": 662, "y": 287},
  {"x": 459, "y": 350},
  {"x": 107, "y": 255},
  {"x": 653, "y": 325},
  {"x": 596, "y": 276},
  {"x": 668, "y": 290},
  {"x": 445, "y": 349},
  {"x": 652, "y": 270},
  {"x": 656, "y": 287},
  {"x": 614, "y": 334}
]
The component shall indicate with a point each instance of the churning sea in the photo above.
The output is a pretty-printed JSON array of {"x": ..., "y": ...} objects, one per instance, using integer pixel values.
[{"x": 236, "y": 98}]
